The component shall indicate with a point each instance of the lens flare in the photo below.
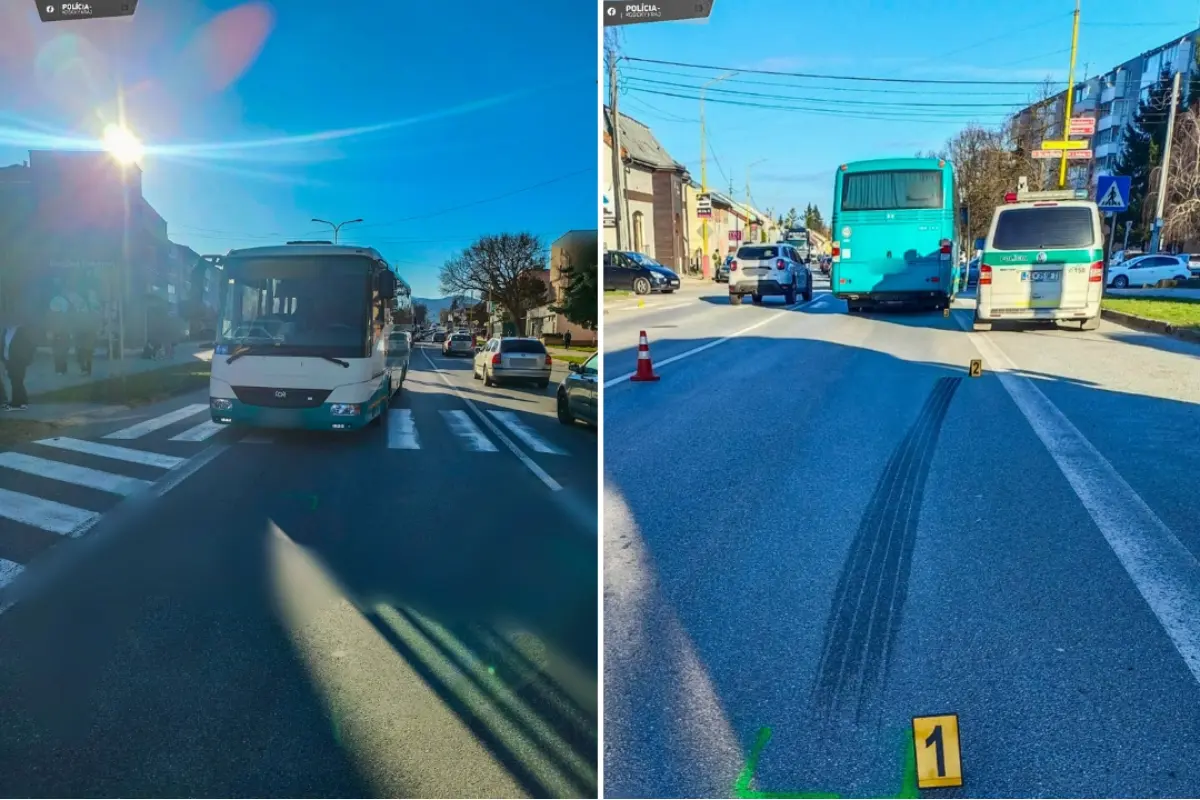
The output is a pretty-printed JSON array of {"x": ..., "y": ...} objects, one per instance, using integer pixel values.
[{"x": 122, "y": 144}]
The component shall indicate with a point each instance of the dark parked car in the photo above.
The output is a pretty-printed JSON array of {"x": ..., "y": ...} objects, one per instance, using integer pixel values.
[
  {"x": 629, "y": 271},
  {"x": 973, "y": 272}
]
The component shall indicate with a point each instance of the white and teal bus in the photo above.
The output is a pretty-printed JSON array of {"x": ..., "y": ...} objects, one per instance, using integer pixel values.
[{"x": 302, "y": 337}]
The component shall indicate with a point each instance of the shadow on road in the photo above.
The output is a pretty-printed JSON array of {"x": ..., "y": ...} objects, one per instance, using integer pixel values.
[{"x": 716, "y": 591}]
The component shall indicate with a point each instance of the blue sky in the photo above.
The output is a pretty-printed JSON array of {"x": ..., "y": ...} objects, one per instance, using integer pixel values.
[
  {"x": 426, "y": 120},
  {"x": 798, "y": 151}
]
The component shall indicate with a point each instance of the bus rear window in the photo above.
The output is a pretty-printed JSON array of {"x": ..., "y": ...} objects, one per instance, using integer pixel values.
[
  {"x": 892, "y": 190},
  {"x": 1044, "y": 228}
]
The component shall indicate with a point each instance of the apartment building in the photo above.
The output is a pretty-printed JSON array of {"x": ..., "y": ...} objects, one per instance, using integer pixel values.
[{"x": 1112, "y": 98}]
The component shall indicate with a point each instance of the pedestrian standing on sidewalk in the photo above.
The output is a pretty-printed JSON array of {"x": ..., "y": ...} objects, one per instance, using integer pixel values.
[
  {"x": 567, "y": 340},
  {"x": 17, "y": 349},
  {"x": 85, "y": 339}
]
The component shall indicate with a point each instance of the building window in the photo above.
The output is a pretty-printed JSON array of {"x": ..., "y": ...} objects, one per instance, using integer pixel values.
[{"x": 639, "y": 237}]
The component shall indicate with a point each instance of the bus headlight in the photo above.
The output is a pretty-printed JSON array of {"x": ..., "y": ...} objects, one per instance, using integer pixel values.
[
  {"x": 220, "y": 403},
  {"x": 344, "y": 409}
]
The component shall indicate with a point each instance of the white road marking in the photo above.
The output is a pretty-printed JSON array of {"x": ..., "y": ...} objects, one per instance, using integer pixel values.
[
  {"x": 8, "y": 571},
  {"x": 714, "y": 343},
  {"x": 112, "y": 451},
  {"x": 163, "y": 420},
  {"x": 72, "y": 473},
  {"x": 526, "y": 434},
  {"x": 529, "y": 463},
  {"x": 474, "y": 439},
  {"x": 203, "y": 431},
  {"x": 401, "y": 431},
  {"x": 1164, "y": 571},
  {"x": 45, "y": 514}
]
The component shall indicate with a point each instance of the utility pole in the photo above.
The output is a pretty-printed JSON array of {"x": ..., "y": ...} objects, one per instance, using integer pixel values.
[
  {"x": 1156, "y": 234},
  {"x": 618, "y": 167},
  {"x": 1128, "y": 228},
  {"x": 1062, "y": 163},
  {"x": 704, "y": 262}
]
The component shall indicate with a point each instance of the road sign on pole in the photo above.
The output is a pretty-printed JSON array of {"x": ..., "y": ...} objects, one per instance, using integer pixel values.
[
  {"x": 617, "y": 12},
  {"x": 1079, "y": 155},
  {"x": 1113, "y": 192},
  {"x": 1082, "y": 126},
  {"x": 1046, "y": 154},
  {"x": 1069, "y": 144}
]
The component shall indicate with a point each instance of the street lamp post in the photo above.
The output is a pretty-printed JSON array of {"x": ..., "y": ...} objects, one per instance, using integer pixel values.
[
  {"x": 750, "y": 166},
  {"x": 336, "y": 228}
]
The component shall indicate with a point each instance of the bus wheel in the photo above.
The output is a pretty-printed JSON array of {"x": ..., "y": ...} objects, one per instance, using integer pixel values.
[
  {"x": 1090, "y": 324},
  {"x": 981, "y": 326}
]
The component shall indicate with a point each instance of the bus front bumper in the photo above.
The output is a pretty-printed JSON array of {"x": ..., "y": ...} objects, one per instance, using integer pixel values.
[{"x": 325, "y": 417}]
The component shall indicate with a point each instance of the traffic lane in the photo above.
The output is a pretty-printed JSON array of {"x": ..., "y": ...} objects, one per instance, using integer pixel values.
[
  {"x": 716, "y": 595},
  {"x": 1144, "y": 418},
  {"x": 672, "y": 333},
  {"x": 759, "y": 649},
  {"x": 319, "y": 630},
  {"x": 527, "y": 417},
  {"x": 689, "y": 289}
]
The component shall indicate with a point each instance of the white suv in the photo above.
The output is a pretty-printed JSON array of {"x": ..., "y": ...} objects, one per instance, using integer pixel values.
[{"x": 759, "y": 270}]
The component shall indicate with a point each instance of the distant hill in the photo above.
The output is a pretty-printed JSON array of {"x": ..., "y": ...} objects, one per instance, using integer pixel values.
[{"x": 434, "y": 304}]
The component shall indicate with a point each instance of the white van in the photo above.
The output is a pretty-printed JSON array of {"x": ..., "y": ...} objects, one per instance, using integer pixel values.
[{"x": 1043, "y": 261}]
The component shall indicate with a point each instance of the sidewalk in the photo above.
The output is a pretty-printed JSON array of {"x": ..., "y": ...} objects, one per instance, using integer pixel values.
[
  {"x": 689, "y": 289},
  {"x": 41, "y": 377}
]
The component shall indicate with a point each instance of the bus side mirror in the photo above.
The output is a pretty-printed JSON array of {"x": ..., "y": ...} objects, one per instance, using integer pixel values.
[
  {"x": 387, "y": 285},
  {"x": 962, "y": 214}
]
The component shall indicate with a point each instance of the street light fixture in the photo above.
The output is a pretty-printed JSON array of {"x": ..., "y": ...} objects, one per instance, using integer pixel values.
[{"x": 336, "y": 227}]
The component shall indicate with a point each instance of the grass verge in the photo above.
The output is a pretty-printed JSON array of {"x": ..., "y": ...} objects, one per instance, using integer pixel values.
[
  {"x": 618, "y": 293},
  {"x": 1182, "y": 313},
  {"x": 570, "y": 356},
  {"x": 14, "y": 430},
  {"x": 136, "y": 389}
]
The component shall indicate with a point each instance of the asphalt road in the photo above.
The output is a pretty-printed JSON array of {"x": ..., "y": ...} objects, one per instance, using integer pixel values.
[
  {"x": 819, "y": 526},
  {"x": 405, "y": 611}
]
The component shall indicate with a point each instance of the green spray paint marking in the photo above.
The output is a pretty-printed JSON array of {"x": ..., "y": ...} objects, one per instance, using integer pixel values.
[{"x": 742, "y": 790}]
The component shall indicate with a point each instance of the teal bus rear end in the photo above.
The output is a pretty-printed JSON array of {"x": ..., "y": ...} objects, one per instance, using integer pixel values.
[{"x": 894, "y": 233}]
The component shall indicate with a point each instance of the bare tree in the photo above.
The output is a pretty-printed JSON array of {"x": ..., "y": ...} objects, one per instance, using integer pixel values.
[
  {"x": 1181, "y": 212},
  {"x": 504, "y": 268}
]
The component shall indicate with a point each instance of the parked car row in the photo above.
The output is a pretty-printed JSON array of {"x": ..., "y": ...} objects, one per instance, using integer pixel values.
[{"x": 1148, "y": 270}]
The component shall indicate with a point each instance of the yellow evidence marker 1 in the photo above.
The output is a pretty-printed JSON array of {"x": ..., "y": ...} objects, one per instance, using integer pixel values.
[
  {"x": 939, "y": 761},
  {"x": 976, "y": 367}
]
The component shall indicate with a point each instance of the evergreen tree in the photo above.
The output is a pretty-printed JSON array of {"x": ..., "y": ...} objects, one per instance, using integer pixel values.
[
  {"x": 791, "y": 219},
  {"x": 1141, "y": 151}
]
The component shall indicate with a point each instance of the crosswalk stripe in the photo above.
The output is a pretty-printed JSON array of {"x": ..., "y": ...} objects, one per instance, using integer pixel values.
[
  {"x": 112, "y": 451},
  {"x": 402, "y": 432},
  {"x": 526, "y": 434},
  {"x": 161, "y": 421},
  {"x": 72, "y": 473},
  {"x": 199, "y": 433},
  {"x": 8, "y": 571},
  {"x": 468, "y": 431},
  {"x": 45, "y": 514}
]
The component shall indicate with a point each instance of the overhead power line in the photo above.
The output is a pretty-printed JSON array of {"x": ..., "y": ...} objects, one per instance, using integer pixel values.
[
  {"x": 868, "y": 103},
  {"x": 829, "y": 77},
  {"x": 857, "y": 113}
]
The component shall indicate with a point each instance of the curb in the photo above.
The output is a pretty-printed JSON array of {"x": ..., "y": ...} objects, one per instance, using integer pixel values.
[{"x": 1150, "y": 325}]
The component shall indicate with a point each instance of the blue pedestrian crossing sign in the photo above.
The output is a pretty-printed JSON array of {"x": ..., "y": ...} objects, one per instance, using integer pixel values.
[{"x": 1112, "y": 192}]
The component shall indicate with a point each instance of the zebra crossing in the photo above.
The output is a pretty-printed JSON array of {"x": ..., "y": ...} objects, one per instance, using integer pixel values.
[{"x": 60, "y": 487}]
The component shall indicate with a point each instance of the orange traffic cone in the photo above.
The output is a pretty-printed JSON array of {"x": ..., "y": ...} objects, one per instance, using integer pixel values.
[{"x": 645, "y": 370}]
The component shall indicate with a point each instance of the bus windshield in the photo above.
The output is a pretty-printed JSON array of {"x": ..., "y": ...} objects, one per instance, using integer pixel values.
[
  {"x": 892, "y": 190},
  {"x": 297, "y": 306}
]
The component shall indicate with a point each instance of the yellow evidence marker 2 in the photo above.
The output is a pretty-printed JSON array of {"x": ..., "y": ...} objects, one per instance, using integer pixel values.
[
  {"x": 939, "y": 761},
  {"x": 976, "y": 367}
]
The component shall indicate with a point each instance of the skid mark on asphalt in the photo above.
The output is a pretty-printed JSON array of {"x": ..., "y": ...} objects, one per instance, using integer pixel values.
[{"x": 873, "y": 586}]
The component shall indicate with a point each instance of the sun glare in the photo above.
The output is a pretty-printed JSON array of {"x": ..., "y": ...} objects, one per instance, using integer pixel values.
[{"x": 122, "y": 144}]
